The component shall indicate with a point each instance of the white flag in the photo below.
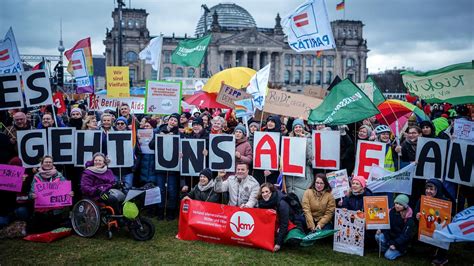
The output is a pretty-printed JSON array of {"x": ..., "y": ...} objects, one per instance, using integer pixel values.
[
  {"x": 258, "y": 86},
  {"x": 10, "y": 61},
  {"x": 308, "y": 27},
  {"x": 152, "y": 53},
  {"x": 461, "y": 228},
  {"x": 381, "y": 180}
]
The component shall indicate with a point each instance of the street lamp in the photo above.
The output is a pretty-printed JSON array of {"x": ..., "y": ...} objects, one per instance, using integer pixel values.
[{"x": 120, "y": 5}]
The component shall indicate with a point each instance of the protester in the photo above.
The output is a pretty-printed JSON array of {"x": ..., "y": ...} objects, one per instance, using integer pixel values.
[
  {"x": 106, "y": 124},
  {"x": 365, "y": 133},
  {"x": 75, "y": 119},
  {"x": 47, "y": 121},
  {"x": 197, "y": 132},
  {"x": 243, "y": 150},
  {"x": 394, "y": 242},
  {"x": 273, "y": 124},
  {"x": 242, "y": 187},
  {"x": 427, "y": 129},
  {"x": 125, "y": 112},
  {"x": 253, "y": 126},
  {"x": 409, "y": 145},
  {"x": 204, "y": 190},
  {"x": 206, "y": 119},
  {"x": 20, "y": 122},
  {"x": 96, "y": 178},
  {"x": 218, "y": 123},
  {"x": 319, "y": 205},
  {"x": 90, "y": 123},
  {"x": 391, "y": 153},
  {"x": 354, "y": 201},
  {"x": 123, "y": 174}
]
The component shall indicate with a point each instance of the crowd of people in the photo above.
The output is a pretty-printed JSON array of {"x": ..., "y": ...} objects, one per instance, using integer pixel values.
[{"x": 247, "y": 187}]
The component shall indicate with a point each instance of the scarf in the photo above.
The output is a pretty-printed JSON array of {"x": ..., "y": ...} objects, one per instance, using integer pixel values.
[
  {"x": 209, "y": 184},
  {"x": 406, "y": 214},
  {"x": 239, "y": 141},
  {"x": 271, "y": 203},
  {"x": 412, "y": 144},
  {"x": 77, "y": 123},
  {"x": 97, "y": 170},
  {"x": 357, "y": 193},
  {"x": 47, "y": 173}
]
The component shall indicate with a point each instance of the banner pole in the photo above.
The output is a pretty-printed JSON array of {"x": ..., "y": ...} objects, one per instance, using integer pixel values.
[
  {"x": 55, "y": 117},
  {"x": 166, "y": 194},
  {"x": 457, "y": 198}
]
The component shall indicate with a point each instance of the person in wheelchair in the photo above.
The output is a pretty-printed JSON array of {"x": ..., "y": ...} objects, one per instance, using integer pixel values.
[{"x": 97, "y": 178}]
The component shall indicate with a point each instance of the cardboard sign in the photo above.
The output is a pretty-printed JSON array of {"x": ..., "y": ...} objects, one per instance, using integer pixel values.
[
  {"x": 266, "y": 148},
  {"x": 314, "y": 91},
  {"x": 98, "y": 102},
  {"x": 228, "y": 95},
  {"x": 376, "y": 212},
  {"x": 463, "y": 129},
  {"x": 222, "y": 152},
  {"x": 430, "y": 155},
  {"x": 118, "y": 81},
  {"x": 52, "y": 194},
  {"x": 61, "y": 144},
  {"x": 223, "y": 224},
  {"x": 461, "y": 163},
  {"x": 339, "y": 183},
  {"x": 37, "y": 88},
  {"x": 293, "y": 152},
  {"x": 435, "y": 215},
  {"x": 289, "y": 104},
  {"x": 326, "y": 149},
  {"x": 368, "y": 154},
  {"x": 162, "y": 97},
  {"x": 144, "y": 137},
  {"x": 11, "y": 177},
  {"x": 381, "y": 180},
  {"x": 120, "y": 149},
  {"x": 350, "y": 237},
  {"x": 88, "y": 143},
  {"x": 10, "y": 92},
  {"x": 193, "y": 160},
  {"x": 167, "y": 150},
  {"x": 31, "y": 146}
]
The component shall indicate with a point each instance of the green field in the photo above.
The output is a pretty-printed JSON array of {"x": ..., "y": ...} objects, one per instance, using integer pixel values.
[{"x": 166, "y": 249}]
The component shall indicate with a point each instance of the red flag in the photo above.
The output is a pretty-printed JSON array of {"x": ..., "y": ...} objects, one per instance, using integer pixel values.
[
  {"x": 319, "y": 53},
  {"x": 39, "y": 66},
  {"x": 134, "y": 131},
  {"x": 58, "y": 100},
  {"x": 340, "y": 6}
]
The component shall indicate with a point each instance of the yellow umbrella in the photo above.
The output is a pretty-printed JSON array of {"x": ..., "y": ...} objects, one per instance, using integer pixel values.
[{"x": 237, "y": 77}]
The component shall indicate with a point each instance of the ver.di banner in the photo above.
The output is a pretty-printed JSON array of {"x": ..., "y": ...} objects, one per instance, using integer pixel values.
[{"x": 224, "y": 224}]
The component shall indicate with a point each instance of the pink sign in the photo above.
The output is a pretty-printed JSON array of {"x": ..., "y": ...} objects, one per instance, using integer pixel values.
[
  {"x": 11, "y": 177},
  {"x": 53, "y": 194}
]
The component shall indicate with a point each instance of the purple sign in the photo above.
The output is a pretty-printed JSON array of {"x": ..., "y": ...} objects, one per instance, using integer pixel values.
[
  {"x": 53, "y": 194},
  {"x": 11, "y": 177}
]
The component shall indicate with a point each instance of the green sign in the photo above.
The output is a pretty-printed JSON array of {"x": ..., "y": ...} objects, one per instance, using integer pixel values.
[{"x": 190, "y": 52}]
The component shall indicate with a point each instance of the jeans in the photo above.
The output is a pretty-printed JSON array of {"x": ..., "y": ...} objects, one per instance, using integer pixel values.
[
  {"x": 127, "y": 180},
  {"x": 168, "y": 184},
  {"x": 390, "y": 254}
]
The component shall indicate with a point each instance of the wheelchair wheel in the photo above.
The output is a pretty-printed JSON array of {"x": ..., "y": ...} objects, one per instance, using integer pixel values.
[
  {"x": 85, "y": 218},
  {"x": 142, "y": 230}
]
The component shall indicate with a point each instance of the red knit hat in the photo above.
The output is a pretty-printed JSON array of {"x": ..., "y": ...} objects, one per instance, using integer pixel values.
[
  {"x": 360, "y": 179},
  {"x": 15, "y": 161}
]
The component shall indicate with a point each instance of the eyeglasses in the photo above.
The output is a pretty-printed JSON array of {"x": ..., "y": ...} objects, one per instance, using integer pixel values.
[{"x": 120, "y": 124}]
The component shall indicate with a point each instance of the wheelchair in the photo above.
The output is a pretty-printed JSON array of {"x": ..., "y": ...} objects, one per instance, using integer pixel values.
[{"x": 112, "y": 212}]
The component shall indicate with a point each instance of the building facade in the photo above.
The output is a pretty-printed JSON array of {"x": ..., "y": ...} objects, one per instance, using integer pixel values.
[{"x": 237, "y": 41}]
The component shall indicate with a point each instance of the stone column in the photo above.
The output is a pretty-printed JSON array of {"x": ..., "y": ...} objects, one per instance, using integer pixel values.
[
  {"x": 257, "y": 60},
  {"x": 234, "y": 58},
  {"x": 245, "y": 58},
  {"x": 281, "y": 68},
  {"x": 221, "y": 59}
]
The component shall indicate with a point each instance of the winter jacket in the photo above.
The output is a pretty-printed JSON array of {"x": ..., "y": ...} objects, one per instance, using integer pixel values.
[
  {"x": 297, "y": 184},
  {"x": 243, "y": 192},
  {"x": 408, "y": 151},
  {"x": 318, "y": 208},
  {"x": 208, "y": 195},
  {"x": 284, "y": 212},
  {"x": 401, "y": 230},
  {"x": 245, "y": 150},
  {"x": 37, "y": 178},
  {"x": 93, "y": 184},
  {"x": 355, "y": 202}
]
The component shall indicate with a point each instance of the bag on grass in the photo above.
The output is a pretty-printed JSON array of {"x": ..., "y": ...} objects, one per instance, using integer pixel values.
[{"x": 50, "y": 236}]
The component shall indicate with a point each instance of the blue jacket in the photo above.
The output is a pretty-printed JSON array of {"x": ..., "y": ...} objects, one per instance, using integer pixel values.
[
  {"x": 355, "y": 202},
  {"x": 400, "y": 232}
]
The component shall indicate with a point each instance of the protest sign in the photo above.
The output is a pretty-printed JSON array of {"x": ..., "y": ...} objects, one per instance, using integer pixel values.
[
  {"x": 118, "y": 81},
  {"x": 350, "y": 237},
  {"x": 98, "y": 102},
  {"x": 61, "y": 144},
  {"x": 144, "y": 137},
  {"x": 88, "y": 143},
  {"x": 289, "y": 104},
  {"x": 314, "y": 91},
  {"x": 461, "y": 228},
  {"x": 368, "y": 153},
  {"x": 162, "y": 97},
  {"x": 10, "y": 61},
  {"x": 222, "y": 152},
  {"x": 430, "y": 155},
  {"x": 37, "y": 88},
  {"x": 339, "y": 183},
  {"x": 461, "y": 163},
  {"x": 266, "y": 147},
  {"x": 31, "y": 146},
  {"x": 435, "y": 215},
  {"x": 11, "y": 177},
  {"x": 217, "y": 223},
  {"x": 463, "y": 129},
  {"x": 152, "y": 196},
  {"x": 381, "y": 180},
  {"x": 243, "y": 108},
  {"x": 326, "y": 156},
  {"x": 52, "y": 194},
  {"x": 167, "y": 150},
  {"x": 376, "y": 212},
  {"x": 81, "y": 65},
  {"x": 120, "y": 149},
  {"x": 10, "y": 92},
  {"x": 228, "y": 95},
  {"x": 293, "y": 152},
  {"x": 193, "y": 160}
]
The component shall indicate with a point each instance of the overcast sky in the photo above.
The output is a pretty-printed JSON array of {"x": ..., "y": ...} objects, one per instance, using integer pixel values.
[{"x": 422, "y": 34}]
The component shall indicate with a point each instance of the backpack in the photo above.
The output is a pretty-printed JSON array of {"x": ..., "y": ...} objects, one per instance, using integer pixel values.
[{"x": 292, "y": 200}]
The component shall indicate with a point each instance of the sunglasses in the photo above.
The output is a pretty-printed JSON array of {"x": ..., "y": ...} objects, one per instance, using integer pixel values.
[{"x": 120, "y": 124}]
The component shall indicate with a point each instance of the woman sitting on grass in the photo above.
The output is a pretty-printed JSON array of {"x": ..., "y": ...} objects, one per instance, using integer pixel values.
[{"x": 319, "y": 204}]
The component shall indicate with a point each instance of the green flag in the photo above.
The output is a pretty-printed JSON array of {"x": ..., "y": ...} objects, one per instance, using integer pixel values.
[
  {"x": 453, "y": 84},
  {"x": 345, "y": 104},
  {"x": 190, "y": 52},
  {"x": 378, "y": 97}
]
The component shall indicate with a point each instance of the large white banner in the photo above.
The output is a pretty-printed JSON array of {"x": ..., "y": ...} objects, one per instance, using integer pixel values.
[
  {"x": 37, "y": 88},
  {"x": 222, "y": 152},
  {"x": 120, "y": 149},
  {"x": 266, "y": 149},
  {"x": 101, "y": 103},
  {"x": 293, "y": 153},
  {"x": 308, "y": 27},
  {"x": 430, "y": 155},
  {"x": 461, "y": 163},
  {"x": 10, "y": 61},
  {"x": 326, "y": 149},
  {"x": 381, "y": 180},
  {"x": 10, "y": 92},
  {"x": 368, "y": 154},
  {"x": 193, "y": 160}
]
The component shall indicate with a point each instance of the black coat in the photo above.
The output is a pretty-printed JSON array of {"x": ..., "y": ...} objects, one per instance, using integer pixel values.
[
  {"x": 283, "y": 214},
  {"x": 400, "y": 232},
  {"x": 408, "y": 152},
  {"x": 355, "y": 202},
  {"x": 208, "y": 195}
]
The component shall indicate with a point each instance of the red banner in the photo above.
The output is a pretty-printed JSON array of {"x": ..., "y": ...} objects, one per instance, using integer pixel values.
[{"x": 225, "y": 224}]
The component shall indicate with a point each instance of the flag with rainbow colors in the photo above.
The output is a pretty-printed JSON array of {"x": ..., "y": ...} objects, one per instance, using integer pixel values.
[{"x": 80, "y": 65}]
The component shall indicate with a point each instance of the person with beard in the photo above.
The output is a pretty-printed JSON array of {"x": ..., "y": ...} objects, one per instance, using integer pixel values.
[
  {"x": 124, "y": 111},
  {"x": 75, "y": 119},
  {"x": 204, "y": 190},
  {"x": 20, "y": 122},
  {"x": 273, "y": 124}
]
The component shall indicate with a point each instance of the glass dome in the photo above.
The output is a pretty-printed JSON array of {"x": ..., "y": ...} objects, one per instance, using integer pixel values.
[{"x": 229, "y": 15}]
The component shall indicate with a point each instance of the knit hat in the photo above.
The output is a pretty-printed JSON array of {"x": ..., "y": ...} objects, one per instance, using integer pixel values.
[
  {"x": 255, "y": 123},
  {"x": 361, "y": 180},
  {"x": 198, "y": 120},
  {"x": 402, "y": 199},
  {"x": 187, "y": 114},
  {"x": 440, "y": 124},
  {"x": 76, "y": 110},
  {"x": 175, "y": 115},
  {"x": 123, "y": 119},
  {"x": 207, "y": 173},
  {"x": 298, "y": 122},
  {"x": 241, "y": 128}
]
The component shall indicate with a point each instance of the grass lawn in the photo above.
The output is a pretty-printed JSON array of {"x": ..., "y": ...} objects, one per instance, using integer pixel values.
[{"x": 164, "y": 248}]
